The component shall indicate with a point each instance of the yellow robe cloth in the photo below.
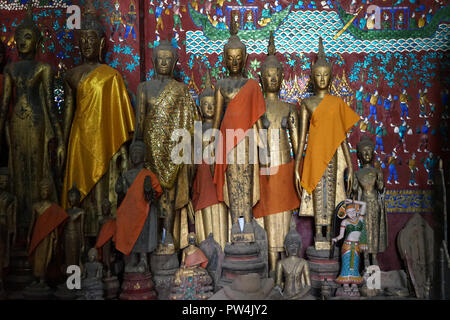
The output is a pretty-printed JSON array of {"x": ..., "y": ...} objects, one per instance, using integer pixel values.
[
  {"x": 103, "y": 121},
  {"x": 329, "y": 124}
]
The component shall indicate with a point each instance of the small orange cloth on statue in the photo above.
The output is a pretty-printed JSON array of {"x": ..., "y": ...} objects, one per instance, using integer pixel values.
[
  {"x": 242, "y": 113},
  {"x": 204, "y": 192},
  {"x": 196, "y": 258},
  {"x": 277, "y": 191},
  {"x": 133, "y": 211},
  {"x": 329, "y": 124},
  {"x": 46, "y": 223},
  {"x": 107, "y": 232}
]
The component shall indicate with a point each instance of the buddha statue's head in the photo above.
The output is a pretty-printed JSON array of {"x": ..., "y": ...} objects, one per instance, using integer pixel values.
[
  {"x": 271, "y": 70},
  {"x": 45, "y": 188},
  {"x": 192, "y": 238},
  {"x": 207, "y": 100},
  {"x": 74, "y": 196},
  {"x": 234, "y": 51},
  {"x": 93, "y": 255},
  {"x": 106, "y": 207},
  {"x": 91, "y": 35},
  {"x": 138, "y": 150},
  {"x": 293, "y": 243},
  {"x": 321, "y": 70},
  {"x": 365, "y": 148},
  {"x": 28, "y": 36},
  {"x": 4, "y": 178},
  {"x": 164, "y": 58}
]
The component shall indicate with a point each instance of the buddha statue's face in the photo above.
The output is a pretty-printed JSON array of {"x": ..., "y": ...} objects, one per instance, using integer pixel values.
[
  {"x": 73, "y": 198},
  {"x": 4, "y": 181},
  {"x": 235, "y": 60},
  {"x": 26, "y": 41},
  {"x": 366, "y": 154},
  {"x": 137, "y": 156},
  {"x": 191, "y": 239},
  {"x": 207, "y": 107},
  {"x": 272, "y": 78},
  {"x": 90, "y": 44},
  {"x": 321, "y": 77},
  {"x": 292, "y": 249},
  {"x": 45, "y": 191},
  {"x": 165, "y": 62}
]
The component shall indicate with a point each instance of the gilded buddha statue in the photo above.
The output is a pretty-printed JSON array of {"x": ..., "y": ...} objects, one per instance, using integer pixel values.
[
  {"x": 278, "y": 194},
  {"x": 98, "y": 121},
  {"x": 28, "y": 85},
  {"x": 327, "y": 152},
  {"x": 165, "y": 105}
]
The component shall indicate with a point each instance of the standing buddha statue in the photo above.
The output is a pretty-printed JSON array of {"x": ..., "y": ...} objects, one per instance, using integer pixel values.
[
  {"x": 33, "y": 122},
  {"x": 165, "y": 105},
  {"x": 278, "y": 194},
  {"x": 98, "y": 121},
  {"x": 329, "y": 119},
  {"x": 73, "y": 236}
]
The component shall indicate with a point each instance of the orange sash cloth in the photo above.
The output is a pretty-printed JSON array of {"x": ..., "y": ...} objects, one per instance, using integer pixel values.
[
  {"x": 329, "y": 124},
  {"x": 204, "y": 191},
  {"x": 133, "y": 211},
  {"x": 277, "y": 192},
  {"x": 196, "y": 258},
  {"x": 106, "y": 232},
  {"x": 46, "y": 223},
  {"x": 242, "y": 113}
]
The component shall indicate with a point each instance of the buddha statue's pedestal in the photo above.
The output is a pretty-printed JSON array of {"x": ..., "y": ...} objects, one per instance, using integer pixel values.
[
  {"x": 138, "y": 286},
  {"x": 39, "y": 292},
  {"x": 63, "y": 293},
  {"x": 321, "y": 267},
  {"x": 112, "y": 287},
  {"x": 163, "y": 267}
]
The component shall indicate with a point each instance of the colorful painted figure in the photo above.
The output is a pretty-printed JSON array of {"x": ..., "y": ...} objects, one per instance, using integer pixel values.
[
  {"x": 176, "y": 15},
  {"x": 402, "y": 131},
  {"x": 386, "y": 24},
  {"x": 158, "y": 16},
  {"x": 374, "y": 100},
  {"x": 424, "y": 138},
  {"x": 379, "y": 133},
  {"x": 249, "y": 24},
  {"x": 353, "y": 229},
  {"x": 392, "y": 161},
  {"x": 116, "y": 21},
  {"x": 363, "y": 22},
  {"x": 221, "y": 25},
  {"x": 430, "y": 163},
  {"x": 359, "y": 101},
  {"x": 131, "y": 19},
  {"x": 266, "y": 15},
  {"x": 423, "y": 101},
  {"x": 422, "y": 21},
  {"x": 387, "y": 110},
  {"x": 277, "y": 6},
  {"x": 413, "y": 21},
  {"x": 400, "y": 24},
  {"x": 404, "y": 105},
  {"x": 412, "y": 168}
]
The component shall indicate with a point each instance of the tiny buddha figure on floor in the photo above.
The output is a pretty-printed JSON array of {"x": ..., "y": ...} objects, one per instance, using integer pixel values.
[
  {"x": 353, "y": 229},
  {"x": 91, "y": 280},
  {"x": 192, "y": 281}
]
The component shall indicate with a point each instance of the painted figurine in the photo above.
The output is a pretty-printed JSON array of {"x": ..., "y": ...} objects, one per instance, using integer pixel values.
[
  {"x": 429, "y": 164},
  {"x": 392, "y": 161},
  {"x": 424, "y": 137},
  {"x": 387, "y": 110},
  {"x": 404, "y": 105},
  {"x": 359, "y": 96},
  {"x": 379, "y": 133},
  {"x": 374, "y": 100},
  {"x": 330, "y": 119},
  {"x": 369, "y": 187},
  {"x": 107, "y": 227},
  {"x": 131, "y": 20},
  {"x": 403, "y": 130},
  {"x": 353, "y": 230},
  {"x": 413, "y": 169},
  {"x": 116, "y": 22},
  {"x": 73, "y": 234},
  {"x": 423, "y": 102}
]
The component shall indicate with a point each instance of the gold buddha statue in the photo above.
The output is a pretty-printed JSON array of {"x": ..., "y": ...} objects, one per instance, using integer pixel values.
[
  {"x": 278, "y": 193},
  {"x": 239, "y": 106},
  {"x": 164, "y": 106},
  {"x": 98, "y": 121},
  {"x": 327, "y": 153},
  {"x": 28, "y": 86}
]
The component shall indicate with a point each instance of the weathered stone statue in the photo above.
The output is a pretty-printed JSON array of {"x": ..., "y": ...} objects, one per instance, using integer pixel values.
[
  {"x": 239, "y": 105},
  {"x": 107, "y": 227},
  {"x": 278, "y": 194},
  {"x": 192, "y": 281},
  {"x": 33, "y": 123},
  {"x": 165, "y": 105},
  {"x": 73, "y": 236},
  {"x": 369, "y": 187},
  {"x": 136, "y": 222},
  {"x": 8, "y": 208},
  {"x": 211, "y": 215},
  {"x": 292, "y": 273},
  {"x": 98, "y": 121},
  {"x": 43, "y": 232},
  {"x": 329, "y": 119},
  {"x": 91, "y": 279}
]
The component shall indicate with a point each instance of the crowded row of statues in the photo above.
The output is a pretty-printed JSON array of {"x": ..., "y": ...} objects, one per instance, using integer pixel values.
[{"x": 114, "y": 193}]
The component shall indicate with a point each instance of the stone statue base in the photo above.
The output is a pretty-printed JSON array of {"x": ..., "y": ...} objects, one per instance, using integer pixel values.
[
  {"x": 163, "y": 267},
  {"x": 138, "y": 286},
  {"x": 63, "y": 293},
  {"x": 20, "y": 273},
  {"x": 112, "y": 287},
  {"x": 38, "y": 292},
  {"x": 196, "y": 284},
  {"x": 321, "y": 267},
  {"x": 241, "y": 258}
]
